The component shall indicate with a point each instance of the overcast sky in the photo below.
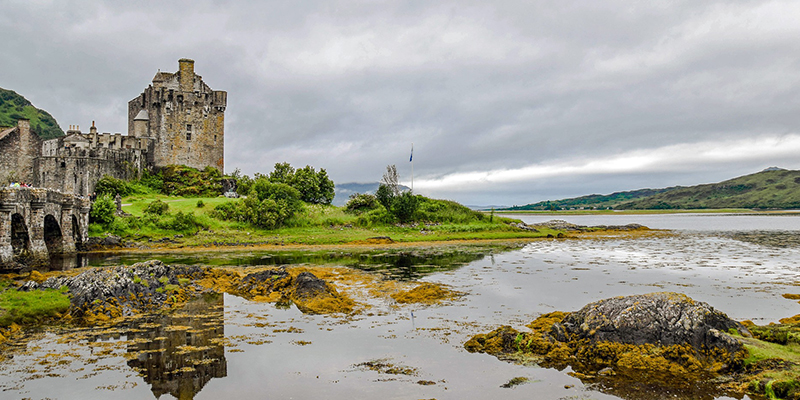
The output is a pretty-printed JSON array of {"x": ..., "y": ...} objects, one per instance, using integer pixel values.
[{"x": 506, "y": 103}]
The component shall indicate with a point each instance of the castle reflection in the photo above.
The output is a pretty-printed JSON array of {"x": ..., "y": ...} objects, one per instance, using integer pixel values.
[{"x": 179, "y": 353}]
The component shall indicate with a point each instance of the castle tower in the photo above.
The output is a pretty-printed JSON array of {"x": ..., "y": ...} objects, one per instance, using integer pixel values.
[{"x": 184, "y": 118}]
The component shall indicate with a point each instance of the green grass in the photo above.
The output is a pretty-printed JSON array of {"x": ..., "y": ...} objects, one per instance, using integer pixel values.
[
  {"x": 30, "y": 307},
  {"x": 319, "y": 225},
  {"x": 14, "y": 107}
]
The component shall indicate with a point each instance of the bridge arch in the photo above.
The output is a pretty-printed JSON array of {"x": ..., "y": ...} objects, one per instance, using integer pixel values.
[
  {"x": 20, "y": 239},
  {"x": 38, "y": 223},
  {"x": 53, "y": 237},
  {"x": 76, "y": 229}
]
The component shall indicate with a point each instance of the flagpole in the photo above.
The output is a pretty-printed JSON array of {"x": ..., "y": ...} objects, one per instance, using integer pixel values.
[{"x": 412, "y": 167}]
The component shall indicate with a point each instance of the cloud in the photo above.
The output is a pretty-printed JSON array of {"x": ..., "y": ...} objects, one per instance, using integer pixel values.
[{"x": 491, "y": 94}]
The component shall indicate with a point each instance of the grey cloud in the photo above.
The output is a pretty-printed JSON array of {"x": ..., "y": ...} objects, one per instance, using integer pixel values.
[{"x": 349, "y": 85}]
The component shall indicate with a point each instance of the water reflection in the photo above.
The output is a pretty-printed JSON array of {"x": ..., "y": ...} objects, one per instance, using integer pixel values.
[
  {"x": 179, "y": 353},
  {"x": 395, "y": 264}
]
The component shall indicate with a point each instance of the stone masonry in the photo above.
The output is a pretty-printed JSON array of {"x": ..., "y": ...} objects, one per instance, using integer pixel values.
[
  {"x": 184, "y": 117},
  {"x": 35, "y": 223},
  {"x": 19, "y": 148},
  {"x": 177, "y": 120}
]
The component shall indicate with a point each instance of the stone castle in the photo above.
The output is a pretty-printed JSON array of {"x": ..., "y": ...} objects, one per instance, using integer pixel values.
[{"x": 178, "y": 119}]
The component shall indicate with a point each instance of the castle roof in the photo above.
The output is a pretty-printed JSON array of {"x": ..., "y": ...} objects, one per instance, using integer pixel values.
[
  {"x": 5, "y": 132},
  {"x": 142, "y": 116},
  {"x": 162, "y": 76}
]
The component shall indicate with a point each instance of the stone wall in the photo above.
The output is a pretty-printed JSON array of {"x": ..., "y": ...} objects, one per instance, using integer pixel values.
[
  {"x": 76, "y": 171},
  {"x": 186, "y": 119},
  {"x": 19, "y": 147}
]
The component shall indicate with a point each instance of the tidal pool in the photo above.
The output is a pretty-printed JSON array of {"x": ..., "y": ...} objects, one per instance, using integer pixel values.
[{"x": 228, "y": 347}]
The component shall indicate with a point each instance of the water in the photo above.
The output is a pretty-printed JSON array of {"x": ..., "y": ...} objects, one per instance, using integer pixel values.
[
  {"x": 789, "y": 221},
  {"x": 228, "y": 347}
]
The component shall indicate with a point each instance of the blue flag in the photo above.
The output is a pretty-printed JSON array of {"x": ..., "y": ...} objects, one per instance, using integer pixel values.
[{"x": 412, "y": 153}]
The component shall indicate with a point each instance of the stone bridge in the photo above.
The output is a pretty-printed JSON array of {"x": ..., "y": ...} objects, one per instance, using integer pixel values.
[{"x": 36, "y": 223}]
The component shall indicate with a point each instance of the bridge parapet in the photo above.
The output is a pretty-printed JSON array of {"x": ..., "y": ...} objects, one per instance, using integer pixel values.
[{"x": 36, "y": 223}]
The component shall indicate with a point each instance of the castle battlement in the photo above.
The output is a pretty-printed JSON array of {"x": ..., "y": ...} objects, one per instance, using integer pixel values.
[{"x": 178, "y": 119}]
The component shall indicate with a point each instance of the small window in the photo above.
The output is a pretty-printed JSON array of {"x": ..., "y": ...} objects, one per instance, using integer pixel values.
[
  {"x": 188, "y": 131},
  {"x": 215, "y": 138}
]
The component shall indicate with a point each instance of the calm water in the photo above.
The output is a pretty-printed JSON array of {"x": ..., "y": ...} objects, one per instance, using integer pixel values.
[
  {"x": 683, "y": 222},
  {"x": 228, "y": 347}
]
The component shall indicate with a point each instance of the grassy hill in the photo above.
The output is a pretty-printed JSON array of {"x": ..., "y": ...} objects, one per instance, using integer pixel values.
[
  {"x": 773, "y": 188},
  {"x": 14, "y": 107},
  {"x": 597, "y": 201},
  {"x": 766, "y": 189}
]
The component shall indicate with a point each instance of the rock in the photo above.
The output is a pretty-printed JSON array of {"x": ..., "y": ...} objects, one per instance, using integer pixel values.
[
  {"x": 307, "y": 286},
  {"x": 125, "y": 290},
  {"x": 666, "y": 338},
  {"x": 662, "y": 319},
  {"x": 111, "y": 240}
]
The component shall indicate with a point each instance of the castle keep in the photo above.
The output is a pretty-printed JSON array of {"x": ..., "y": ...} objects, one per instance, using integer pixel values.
[
  {"x": 183, "y": 116},
  {"x": 178, "y": 119}
]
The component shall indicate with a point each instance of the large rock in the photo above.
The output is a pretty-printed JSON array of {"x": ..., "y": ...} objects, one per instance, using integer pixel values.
[
  {"x": 661, "y": 319},
  {"x": 660, "y": 337}
]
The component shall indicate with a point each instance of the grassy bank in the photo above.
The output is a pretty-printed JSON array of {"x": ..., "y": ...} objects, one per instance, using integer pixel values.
[{"x": 316, "y": 225}]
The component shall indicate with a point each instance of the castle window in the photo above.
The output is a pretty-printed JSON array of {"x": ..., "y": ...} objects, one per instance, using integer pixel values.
[
  {"x": 215, "y": 138},
  {"x": 188, "y": 131}
]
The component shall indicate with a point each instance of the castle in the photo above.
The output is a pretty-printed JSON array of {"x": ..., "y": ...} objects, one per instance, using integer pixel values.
[{"x": 178, "y": 119}]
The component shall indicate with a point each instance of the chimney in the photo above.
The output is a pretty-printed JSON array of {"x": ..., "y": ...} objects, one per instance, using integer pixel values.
[
  {"x": 186, "y": 71},
  {"x": 93, "y": 129}
]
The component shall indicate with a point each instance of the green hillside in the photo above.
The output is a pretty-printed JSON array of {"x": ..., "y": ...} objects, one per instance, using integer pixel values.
[
  {"x": 773, "y": 188},
  {"x": 592, "y": 201},
  {"x": 14, "y": 107}
]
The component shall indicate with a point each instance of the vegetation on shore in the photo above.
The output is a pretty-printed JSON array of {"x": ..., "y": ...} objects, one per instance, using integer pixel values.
[
  {"x": 284, "y": 207},
  {"x": 773, "y": 188}
]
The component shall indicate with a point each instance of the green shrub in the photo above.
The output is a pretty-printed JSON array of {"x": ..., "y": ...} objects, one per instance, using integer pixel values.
[
  {"x": 200, "y": 204},
  {"x": 112, "y": 186},
  {"x": 157, "y": 207},
  {"x": 359, "y": 203},
  {"x": 269, "y": 205},
  {"x": 182, "y": 222},
  {"x": 103, "y": 209},
  {"x": 378, "y": 216},
  {"x": 404, "y": 206},
  {"x": 180, "y": 180}
]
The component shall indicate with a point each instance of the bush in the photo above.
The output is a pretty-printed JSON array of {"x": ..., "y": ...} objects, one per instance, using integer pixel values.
[
  {"x": 180, "y": 180},
  {"x": 182, "y": 222},
  {"x": 113, "y": 186},
  {"x": 359, "y": 203},
  {"x": 157, "y": 207},
  {"x": 404, "y": 206},
  {"x": 269, "y": 205},
  {"x": 378, "y": 216},
  {"x": 200, "y": 204},
  {"x": 103, "y": 209}
]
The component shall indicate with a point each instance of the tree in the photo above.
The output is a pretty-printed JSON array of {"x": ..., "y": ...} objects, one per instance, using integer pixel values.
[
  {"x": 405, "y": 206},
  {"x": 391, "y": 180},
  {"x": 327, "y": 189},
  {"x": 282, "y": 173},
  {"x": 385, "y": 196},
  {"x": 103, "y": 210}
]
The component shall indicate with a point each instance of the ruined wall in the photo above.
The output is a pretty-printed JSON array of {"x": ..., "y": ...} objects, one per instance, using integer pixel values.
[
  {"x": 76, "y": 171},
  {"x": 186, "y": 119},
  {"x": 18, "y": 149}
]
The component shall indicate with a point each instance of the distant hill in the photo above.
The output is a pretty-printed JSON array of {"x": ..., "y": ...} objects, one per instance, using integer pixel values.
[
  {"x": 14, "y": 107},
  {"x": 592, "y": 201},
  {"x": 344, "y": 190},
  {"x": 772, "y": 188}
]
